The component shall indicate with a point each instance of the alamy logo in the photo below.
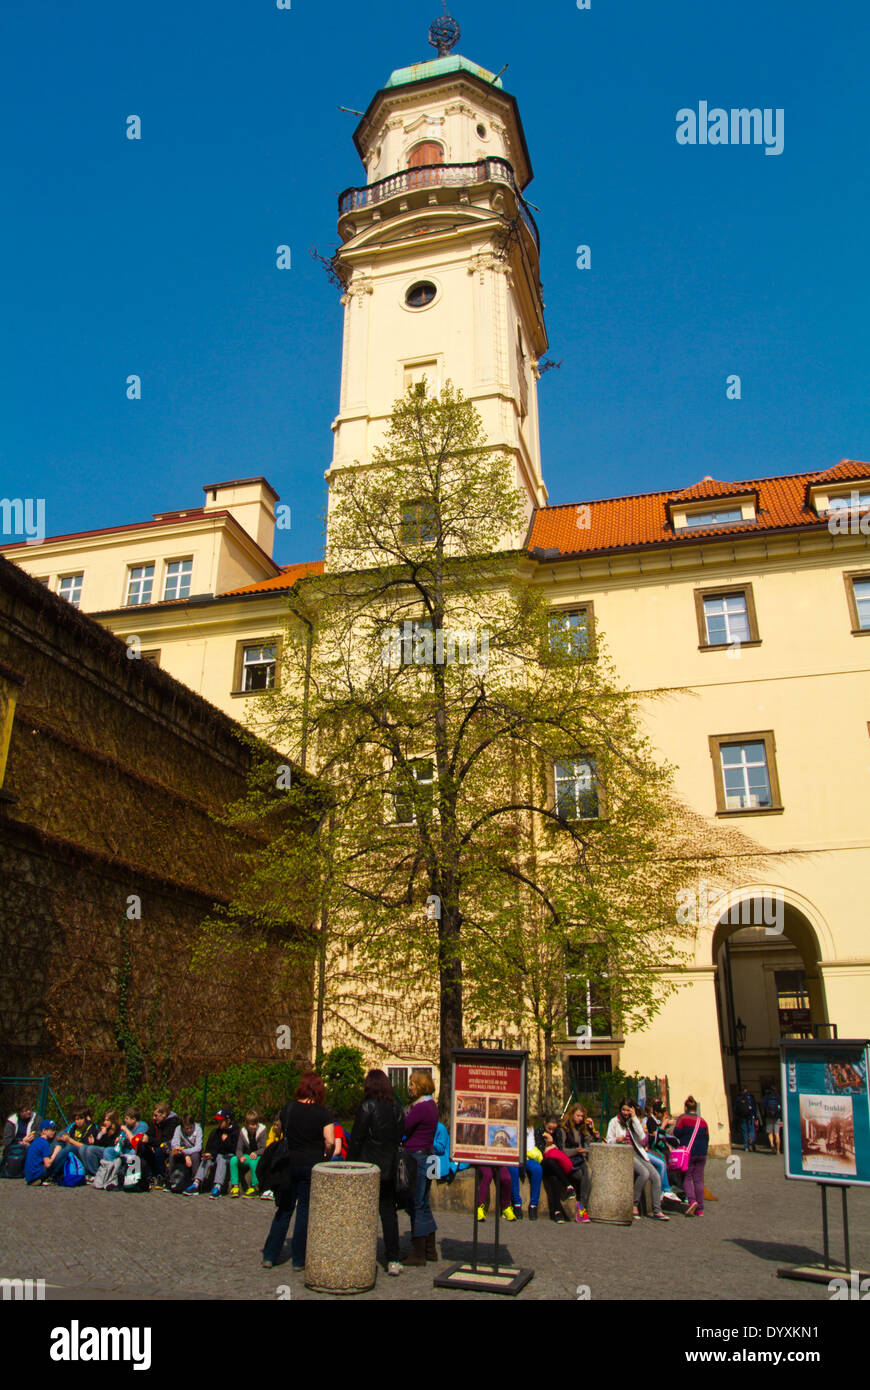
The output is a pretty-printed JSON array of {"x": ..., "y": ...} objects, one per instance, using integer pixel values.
[
  {"x": 23, "y": 1290},
  {"x": 739, "y": 126},
  {"x": 23, "y": 516},
  {"x": 415, "y": 644},
  {"x": 76, "y": 1343}
]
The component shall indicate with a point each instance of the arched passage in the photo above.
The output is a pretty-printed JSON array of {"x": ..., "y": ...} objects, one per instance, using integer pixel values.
[{"x": 768, "y": 985}]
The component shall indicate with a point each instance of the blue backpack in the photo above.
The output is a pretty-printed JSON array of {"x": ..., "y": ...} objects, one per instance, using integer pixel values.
[{"x": 73, "y": 1172}]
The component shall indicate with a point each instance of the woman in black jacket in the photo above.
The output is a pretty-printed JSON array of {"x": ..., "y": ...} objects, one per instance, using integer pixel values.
[{"x": 375, "y": 1138}]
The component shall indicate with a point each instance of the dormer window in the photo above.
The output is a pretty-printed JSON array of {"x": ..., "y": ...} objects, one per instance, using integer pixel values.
[
  {"x": 729, "y": 516},
  {"x": 706, "y": 513}
]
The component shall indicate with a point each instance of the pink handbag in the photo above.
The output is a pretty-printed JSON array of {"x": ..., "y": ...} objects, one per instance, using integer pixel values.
[{"x": 679, "y": 1158}]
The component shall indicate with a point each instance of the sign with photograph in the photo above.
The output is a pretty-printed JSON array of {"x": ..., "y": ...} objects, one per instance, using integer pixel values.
[
  {"x": 826, "y": 1111},
  {"x": 488, "y": 1110}
]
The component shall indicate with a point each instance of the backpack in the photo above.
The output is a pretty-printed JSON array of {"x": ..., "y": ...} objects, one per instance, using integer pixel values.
[
  {"x": 743, "y": 1107},
  {"x": 108, "y": 1173},
  {"x": 136, "y": 1177},
  {"x": 273, "y": 1170},
  {"x": 771, "y": 1106},
  {"x": 179, "y": 1178},
  {"x": 73, "y": 1172},
  {"x": 13, "y": 1161}
]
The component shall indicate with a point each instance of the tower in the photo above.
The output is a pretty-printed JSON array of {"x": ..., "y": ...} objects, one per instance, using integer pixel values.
[{"x": 439, "y": 257}]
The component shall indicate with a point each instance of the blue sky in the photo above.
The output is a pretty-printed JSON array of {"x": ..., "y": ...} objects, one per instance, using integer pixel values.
[{"x": 158, "y": 257}]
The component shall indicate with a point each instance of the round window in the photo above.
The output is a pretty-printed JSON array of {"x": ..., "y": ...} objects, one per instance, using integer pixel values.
[
  {"x": 481, "y": 131},
  {"x": 421, "y": 294}
]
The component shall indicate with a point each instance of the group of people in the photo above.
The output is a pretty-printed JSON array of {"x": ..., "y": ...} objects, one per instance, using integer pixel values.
[
  {"x": 751, "y": 1119},
  {"x": 409, "y": 1145}
]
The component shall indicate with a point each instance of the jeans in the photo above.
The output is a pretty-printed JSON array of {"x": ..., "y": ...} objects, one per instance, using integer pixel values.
[
  {"x": 90, "y": 1155},
  {"x": 694, "y": 1181},
  {"x": 659, "y": 1164},
  {"x": 389, "y": 1219},
  {"x": 296, "y": 1195},
  {"x": 422, "y": 1220},
  {"x": 535, "y": 1177},
  {"x": 747, "y": 1129}
]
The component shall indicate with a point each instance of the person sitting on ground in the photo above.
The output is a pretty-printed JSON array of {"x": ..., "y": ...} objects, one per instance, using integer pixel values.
[
  {"x": 45, "y": 1156},
  {"x": 81, "y": 1131},
  {"x": 375, "y": 1138},
  {"x": 691, "y": 1130},
  {"x": 164, "y": 1123},
  {"x": 486, "y": 1176},
  {"x": 22, "y": 1126},
  {"x": 249, "y": 1151},
  {"x": 578, "y": 1133},
  {"x": 556, "y": 1168},
  {"x": 219, "y": 1149},
  {"x": 625, "y": 1128},
  {"x": 105, "y": 1137},
  {"x": 185, "y": 1148}
]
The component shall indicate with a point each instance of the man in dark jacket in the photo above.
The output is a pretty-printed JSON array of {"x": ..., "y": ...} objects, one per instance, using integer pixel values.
[
  {"x": 746, "y": 1115},
  {"x": 164, "y": 1123},
  {"x": 217, "y": 1152},
  {"x": 375, "y": 1138}
]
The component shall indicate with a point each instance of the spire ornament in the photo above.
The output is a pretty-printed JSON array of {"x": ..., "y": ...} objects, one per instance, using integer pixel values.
[{"x": 444, "y": 33}]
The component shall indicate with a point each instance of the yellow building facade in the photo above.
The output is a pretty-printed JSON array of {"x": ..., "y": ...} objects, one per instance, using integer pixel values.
[{"x": 745, "y": 602}]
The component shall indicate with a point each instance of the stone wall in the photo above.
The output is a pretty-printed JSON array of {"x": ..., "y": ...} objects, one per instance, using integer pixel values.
[{"x": 115, "y": 773}]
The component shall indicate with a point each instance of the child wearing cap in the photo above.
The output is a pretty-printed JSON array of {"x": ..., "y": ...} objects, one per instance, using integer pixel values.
[
  {"x": 220, "y": 1147},
  {"x": 45, "y": 1156}
]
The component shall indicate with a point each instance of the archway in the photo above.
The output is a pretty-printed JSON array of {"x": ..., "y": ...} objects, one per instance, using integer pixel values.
[{"x": 768, "y": 985}]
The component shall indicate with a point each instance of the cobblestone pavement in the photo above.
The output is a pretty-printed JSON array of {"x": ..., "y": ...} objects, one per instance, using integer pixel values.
[{"x": 98, "y": 1246}]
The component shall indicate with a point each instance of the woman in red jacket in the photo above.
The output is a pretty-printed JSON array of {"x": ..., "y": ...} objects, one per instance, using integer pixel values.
[{"x": 692, "y": 1132}]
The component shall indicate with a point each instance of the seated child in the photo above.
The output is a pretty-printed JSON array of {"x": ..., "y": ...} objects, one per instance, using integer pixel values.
[
  {"x": 249, "y": 1151},
  {"x": 45, "y": 1156},
  {"x": 219, "y": 1149},
  {"x": 185, "y": 1147}
]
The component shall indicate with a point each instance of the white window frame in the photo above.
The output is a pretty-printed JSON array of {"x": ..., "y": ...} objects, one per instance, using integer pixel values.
[
  {"x": 723, "y": 600},
  {"x": 181, "y": 575},
  {"x": 397, "y": 794},
  {"x": 146, "y": 578},
  {"x": 745, "y": 800},
  {"x": 256, "y": 665},
  {"x": 75, "y": 598},
  {"x": 589, "y": 778}
]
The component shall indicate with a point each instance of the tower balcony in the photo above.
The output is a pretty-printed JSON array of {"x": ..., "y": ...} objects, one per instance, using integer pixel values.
[{"x": 424, "y": 178}]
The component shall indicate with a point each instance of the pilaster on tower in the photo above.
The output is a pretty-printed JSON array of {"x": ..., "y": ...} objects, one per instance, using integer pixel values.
[{"x": 440, "y": 261}]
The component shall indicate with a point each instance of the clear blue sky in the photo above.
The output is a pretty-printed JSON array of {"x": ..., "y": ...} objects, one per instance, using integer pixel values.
[{"x": 158, "y": 257}]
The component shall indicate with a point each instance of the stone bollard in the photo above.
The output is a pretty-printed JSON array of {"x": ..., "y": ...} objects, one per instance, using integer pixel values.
[
  {"x": 341, "y": 1254},
  {"x": 611, "y": 1168}
]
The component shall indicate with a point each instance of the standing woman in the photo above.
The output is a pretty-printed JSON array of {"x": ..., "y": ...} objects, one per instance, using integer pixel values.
[
  {"x": 421, "y": 1121},
  {"x": 692, "y": 1131},
  {"x": 375, "y": 1138},
  {"x": 310, "y": 1137}
]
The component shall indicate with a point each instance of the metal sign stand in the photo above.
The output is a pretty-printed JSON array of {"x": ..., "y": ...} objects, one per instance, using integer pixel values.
[
  {"x": 484, "y": 1278},
  {"x": 825, "y": 1272}
]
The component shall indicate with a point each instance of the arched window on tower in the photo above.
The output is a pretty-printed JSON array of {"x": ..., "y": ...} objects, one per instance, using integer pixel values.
[{"x": 428, "y": 152}]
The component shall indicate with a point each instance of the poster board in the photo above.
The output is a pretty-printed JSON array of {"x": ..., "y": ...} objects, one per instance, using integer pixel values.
[
  {"x": 488, "y": 1106},
  {"x": 826, "y": 1110}
]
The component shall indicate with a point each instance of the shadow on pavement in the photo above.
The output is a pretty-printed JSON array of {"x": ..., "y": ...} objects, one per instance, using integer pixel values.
[
  {"x": 783, "y": 1254},
  {"x": 451, "y": 1251}
]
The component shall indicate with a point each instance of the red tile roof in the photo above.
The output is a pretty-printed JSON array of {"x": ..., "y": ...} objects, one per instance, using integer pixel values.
[
  {"x": 623, "y": 523},
  {"x": 285, "y": 580}
]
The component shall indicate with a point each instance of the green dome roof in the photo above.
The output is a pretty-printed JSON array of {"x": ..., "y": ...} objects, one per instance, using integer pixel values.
[{"x": 454, "y": 62}]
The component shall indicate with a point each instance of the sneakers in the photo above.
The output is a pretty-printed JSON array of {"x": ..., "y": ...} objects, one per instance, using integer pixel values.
[
  {"x": 518, "y": 1210},
  {"x": 509, "y": 1214},
  {"x": 533, "y": 1213},
  {"x": 267, "y": 1264},
  {"x": 250, "y": 1192},
  {"x": 215, "y": 1192},
  {"x": 660, "y": 1216},
  {"x": 192, "y": 1191},
  {"x": 267, "y": 1196},
  {"x": 692, "y": 1209},
  {"x": 481, "y": 1213},
  {"x": 559, "y": 1217},
  {"x": 394, "y": 1267},
  {"x": 583, "y": 1216},
  {"x": 234, "y": 1192}
]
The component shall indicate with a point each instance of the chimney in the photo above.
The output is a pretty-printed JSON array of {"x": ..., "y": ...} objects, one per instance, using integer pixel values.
[{"x": 252, "y": 502}]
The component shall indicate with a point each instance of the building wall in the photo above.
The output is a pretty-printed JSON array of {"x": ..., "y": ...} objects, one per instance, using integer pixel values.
[{"x": 114, "y": 773}]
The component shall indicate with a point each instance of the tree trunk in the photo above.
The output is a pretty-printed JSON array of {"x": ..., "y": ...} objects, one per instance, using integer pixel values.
[{"x": 450, "y": 980}]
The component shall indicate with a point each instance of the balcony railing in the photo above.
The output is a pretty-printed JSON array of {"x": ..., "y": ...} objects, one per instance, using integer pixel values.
[{"x": 491, "y": 170}]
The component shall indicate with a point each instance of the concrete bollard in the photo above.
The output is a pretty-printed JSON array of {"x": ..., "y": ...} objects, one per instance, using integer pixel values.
[
  {"x": 611, "y": 1198},
  {"x": 341, "y": 1254}
]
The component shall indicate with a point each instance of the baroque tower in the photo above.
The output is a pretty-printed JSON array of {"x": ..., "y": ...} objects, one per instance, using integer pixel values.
[{"x": 440, "y": 261}]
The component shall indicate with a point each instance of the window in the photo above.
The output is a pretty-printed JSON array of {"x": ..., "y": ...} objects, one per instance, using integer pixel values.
[
  {"x": 850, "y": 501},
  {"x": 587, "y": 993},
  {"x": 793, "y": 1004},
  {"x": 177, "y": 582},
  {"x": 570, "y": 632},
  {"x": 858, "y": 595},
  {"x": 153, "y": 656},
  {"x": 725, "y": 517},
  {"x": 418, "y": 522},
  {"x": 587, "y": 1071},
  {"x": 69, "y": 586},
  {"x": 256, "y": 666},
  {"x": 140, "y": 582},
  {"x": 44, "y": 581},
  {"x": 410, "y": 643},
  {"x": 423, "y": 374},
  {"x": 421, "y": 294},
  {"x": 575, "y": 785},
  {"x": 406, "y": 799},
  {"x": 399, "y": 1078},
  {"x": 726, "y": 617},
  {"x": 744, "y": 770}
]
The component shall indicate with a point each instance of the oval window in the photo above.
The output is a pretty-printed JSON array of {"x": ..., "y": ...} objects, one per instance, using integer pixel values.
[
  {"x": 421, "y": 294},
  {"x": 481, "y": 131}
]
